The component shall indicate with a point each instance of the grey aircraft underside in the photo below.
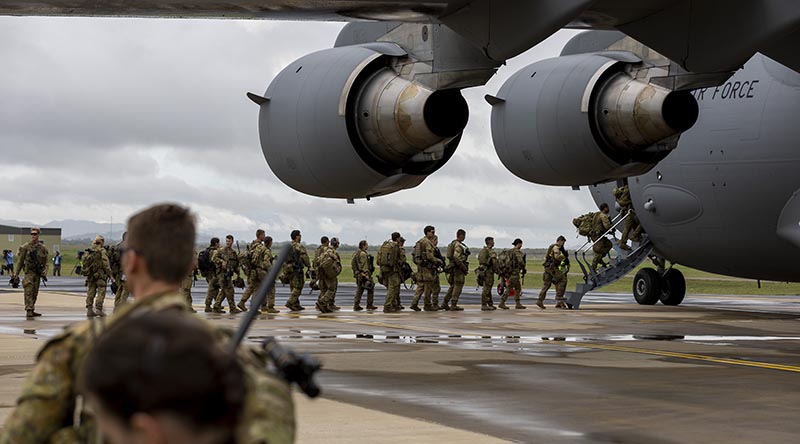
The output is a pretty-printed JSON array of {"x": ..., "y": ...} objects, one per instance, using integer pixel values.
[{"x": 692, "y": 103}]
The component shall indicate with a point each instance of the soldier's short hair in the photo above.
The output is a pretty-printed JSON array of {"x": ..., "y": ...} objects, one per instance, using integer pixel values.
[
  {"x": 260, "y": 232},
  {"x": 516, "y": 241},
  {"x": 267, "y": 240},
  {"x": 603, "y": 206},
  {"x": 230, "y": 236},
  {"x": 428, "y": 229},
  {"x": 164, "y": 236},
  {"x": 395, "y": 236},
  {"x": 335, "y": 241},
  {"x": 362, "y": 244},
  {"x": 214, "y": 241},
  {"x": 324, "y": 240},
  {"x": 461, "y": 232},
  {"x": 561, "y": 238},
  {"x": 488, "y": 239},
  {"x": 294, "y": 234}
]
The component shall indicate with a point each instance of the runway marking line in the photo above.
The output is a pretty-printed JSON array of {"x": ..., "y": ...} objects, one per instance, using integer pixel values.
[{"x": 608, "y": 347}]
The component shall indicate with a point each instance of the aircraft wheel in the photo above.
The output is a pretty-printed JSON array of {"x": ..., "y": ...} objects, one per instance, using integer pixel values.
[
  {"x": 673, "y": 287},
  {"x": 647, "y": 286}
]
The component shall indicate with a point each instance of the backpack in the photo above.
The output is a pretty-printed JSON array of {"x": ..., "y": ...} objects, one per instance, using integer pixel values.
[
  {"x": 92, "y": 262},
  {"x": 388, "y": 255},
  {"x": 86, "y": 263},
  {"x": 328, "y": 265},
  {"x": 204, "y": 262},
  {"x": 114, "y": 260},
  {"x": 504, "y": 267},
  {"x": 584, "y": 224},
  {"x": 416, "y": 255}
]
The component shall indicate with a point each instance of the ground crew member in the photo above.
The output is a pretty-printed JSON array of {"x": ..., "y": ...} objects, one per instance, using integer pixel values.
[
  {"x": 211, "y": 275},
  {"x": 487, "y": 266},
  {"x": 57, "y": 264},
  {"x": 226, "y": 262},
  {"x": 600, "y": 225},
  {"x": 363, "y": 267},
  {"x": 269, "y": 302},
  {"x": 632, "y": 228},
  {"x": 51, "y": 406},
  {"x": 427, "y": 264},
  {"x": 329, "y": 266},
  {"x": 97, "y": 276},
  {"x": 556, "y": 267},
  {"x": 518, "y": 268},
  {"x": 32, "y": 259},
  {"x": 257, "y": 269},
  {"x": 121, "y": 296},
  {"x": 390, "y": 274},
  {"x": 294, "y": 264},
  {"x": 186, "y": 286},
  {"x": 457, "y": 254}
]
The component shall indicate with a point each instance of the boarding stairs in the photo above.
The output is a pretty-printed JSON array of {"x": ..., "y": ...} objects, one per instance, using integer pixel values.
[{"x": 621, "y": 265}]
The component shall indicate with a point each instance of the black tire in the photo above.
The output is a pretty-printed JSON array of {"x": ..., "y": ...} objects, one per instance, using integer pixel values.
[
  {"x": 673, "y": 287},
  {"x": 647, "y": 286}
]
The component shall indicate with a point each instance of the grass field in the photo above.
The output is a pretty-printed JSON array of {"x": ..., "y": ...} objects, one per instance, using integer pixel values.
[{"x": 697, "y": 282}]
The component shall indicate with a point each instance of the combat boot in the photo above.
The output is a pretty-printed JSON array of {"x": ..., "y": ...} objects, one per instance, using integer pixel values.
[
  {"x": 561, "y": 305},
  {"x": 455, "y": 307},
  {"x": 234, "y": 310},
  {"x": 31, "y": 314},
  {"x": 218, "y": 310},
  {"x": 334, "y": 307},
  {"x": 98, "y": 311},
  {"x": 390, "y": 309},
  {"x": 241, "y": 306},
  {"x": 445, "y": 306},
  {"x": 519, "y": 306},
  {"x": 487, "y": 308},
  {"x": 272, "y": 310},
  {"x": 90, "y": 312},
  {"x": 357, "y": 308},
  {"x": 371, "y": 307},
  {"x": 415, "y": 307},
  {"x": 430, "y": 307},
  {"x": 540, "y": 304}
]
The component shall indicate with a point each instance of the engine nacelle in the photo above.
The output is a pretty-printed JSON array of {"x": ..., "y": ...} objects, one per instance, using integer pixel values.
[
  {"x": 342, "y": 123},
  {"x": 582, "y": 119}
]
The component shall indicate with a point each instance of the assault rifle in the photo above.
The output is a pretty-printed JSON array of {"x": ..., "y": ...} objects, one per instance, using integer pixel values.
[
  {"x": 37, "y": 266},
  {"x": 524, "y": 266},
  {"x": 294, "y": 368}
]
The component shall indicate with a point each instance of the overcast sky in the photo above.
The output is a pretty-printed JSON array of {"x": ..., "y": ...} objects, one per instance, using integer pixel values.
[{"x": 101, "y": 117}]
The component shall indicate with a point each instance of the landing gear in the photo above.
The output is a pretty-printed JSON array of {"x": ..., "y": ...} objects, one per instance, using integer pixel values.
[
  {"x": 673, "y": 287},
  {"x": 647, "y": 286}
]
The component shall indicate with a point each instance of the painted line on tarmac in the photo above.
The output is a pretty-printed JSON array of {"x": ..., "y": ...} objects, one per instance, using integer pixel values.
[{"x": 689, "y": 356}]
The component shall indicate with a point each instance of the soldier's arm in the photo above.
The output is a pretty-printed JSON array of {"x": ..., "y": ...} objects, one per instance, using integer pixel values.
[
  {"x": 217, "y": 260},
  {"x": 362, "y": 263},
  {"x": 20, "y": 260},
  {"x": 458, "y": 256},
  {"x": 305, "y": 259},
  {"x": 106, "y": 263},
  {"x": 46, "y": 264}
]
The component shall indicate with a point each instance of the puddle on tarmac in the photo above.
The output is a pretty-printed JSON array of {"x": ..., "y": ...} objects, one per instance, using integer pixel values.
[{"x": 39, "y": 333}]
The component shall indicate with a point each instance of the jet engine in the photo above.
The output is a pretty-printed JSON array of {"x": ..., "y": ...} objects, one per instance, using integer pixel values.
[
  {"x": 584, "y": 119},
  {"x": 343, "y": 123}
]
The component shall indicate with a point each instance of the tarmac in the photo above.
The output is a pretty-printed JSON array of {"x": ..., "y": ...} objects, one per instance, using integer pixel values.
[{"x": 717, "y": 369}]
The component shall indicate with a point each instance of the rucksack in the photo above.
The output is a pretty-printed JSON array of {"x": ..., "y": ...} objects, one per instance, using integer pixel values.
[
  {"x": 114, "y": 259},
  {"x": 584, "y": 224},
  {"x": 204, "y": 262},
  {"x": 328, "y": 264},
  {"x": 387, "y": 255},
  {"x": 92, "y": 262},
  {"x": 504, "y": 267},
  {"x": 86, "y": 263},
  {"x": 416, "y": 255}
]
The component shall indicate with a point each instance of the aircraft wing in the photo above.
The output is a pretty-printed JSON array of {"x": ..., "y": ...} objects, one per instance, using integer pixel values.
[{"x": 700, "y": 35}]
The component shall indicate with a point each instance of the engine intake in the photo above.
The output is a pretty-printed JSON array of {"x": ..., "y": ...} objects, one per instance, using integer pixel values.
[{"x": 582, "y": 119}]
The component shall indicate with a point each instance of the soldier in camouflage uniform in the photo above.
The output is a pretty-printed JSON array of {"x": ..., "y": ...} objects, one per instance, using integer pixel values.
[
  {"x": 298, "y": 258},
  {"x": 363, "y": 267},
  {"x": 51, "y": 409},
  {"x": 391, "y": 277},
  {"x": 514, "y": 282},
  {"x": 32, "y": 259},
  {"x": 329, "y": 266},
  {"x": 257, "y": 269},
  {"x": 97, "y": 273},
  {"x": 226, "y": 263},
  {"x": 121, "y": 296},
  {"x": 316, "y": 282},
  {"x": 436, "y": 284},
  {"x": 211, "y": 276},
  {"x": 600, "y": 225},
  {"x": 633, "y": 228},
  {"x": 188, "y": 283},
  {"x": 457, "y": 269},
  {"x": 556, "y": 267},
  {"x": 427, "y": 266},
  {"x": 487, "y": 266},
  {"x": 269, "y": 303}
]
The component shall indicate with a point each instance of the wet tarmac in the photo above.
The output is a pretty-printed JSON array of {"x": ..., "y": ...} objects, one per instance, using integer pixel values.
[{"x": 717, "y": 369}]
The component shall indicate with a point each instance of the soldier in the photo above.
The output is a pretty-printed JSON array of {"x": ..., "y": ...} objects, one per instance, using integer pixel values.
[
  {"x": 556, "y": 267},
  {"x": 427, "y": 264},
  {"x": 457, "y": 269},
  {"x": 57, "y": 264},
  {"x": 405, "y": 269},
  {"x": 633, "y": 228},
  {"x": 294, "y": 267},
  {"x": 436, "y": 284},
  {"x": 363, "y": 267},
  {"x": 269, "y": 303},
  {"x": 209, "y": 271},
  {"x": 600, "y": 225},
  {"x": 256, "y": 268},
  {"x": 487, "y": 267},
  {"x": 121, "y": 295},
  {"x": 329, "y": 267},
  {"x": 518, "y": 268},
  {"x": 226, "y": 262},
  {"x": 51, "y": 409},
  {"x": 98, "y": 271},
  {"x": 317, "y": 283},
  {"x": 186, "y": 286},
  {"x": 389, "y": 261},
  {"x": 32, "y": 259}
]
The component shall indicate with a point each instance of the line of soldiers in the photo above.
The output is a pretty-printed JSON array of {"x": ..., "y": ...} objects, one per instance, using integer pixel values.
[{"x": 102, "y": 264}]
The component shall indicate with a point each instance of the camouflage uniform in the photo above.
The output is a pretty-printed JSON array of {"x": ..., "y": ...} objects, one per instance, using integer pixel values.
[
  {"x": 426, "y": 274},
  {"x": 226, "y": 262},
  {"x": 457, "y": 272},
  {"x": 121, "y": 296},
  {"x": 257, "y": 273},
  {"x": 487, "y": 260},
  {"x": 213, "y": 283},
  {"x": 316, "y": 282},
  {"x": 27, "y": 257},
  {"x": 50, "y": 408},
  {"x": 391, "y": 277},
  {"x": 269, "y": 302},
  {"x": 556, "y": 267},
  {"x": 186, "y": 289},
  {"x": 600, "y": 224},
  {"x": 297, "y": 260},
  {"x": 514, "y": 282},
  {"x": 98, "y": 276},
  {"x": 329, "y": 266},
  {"x": 633, "y": 228},
  {"x": 362, "y": 272}
]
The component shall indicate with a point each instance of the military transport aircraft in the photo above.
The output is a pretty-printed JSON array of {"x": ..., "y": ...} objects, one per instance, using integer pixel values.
[{"x": 692, "y": 103}]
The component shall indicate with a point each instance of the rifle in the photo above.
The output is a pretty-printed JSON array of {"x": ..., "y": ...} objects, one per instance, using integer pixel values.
[
  {"x": 524, "y": 267},
  {"x": 294, "y": 368},
  {"x": 37, "y": 267}
]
